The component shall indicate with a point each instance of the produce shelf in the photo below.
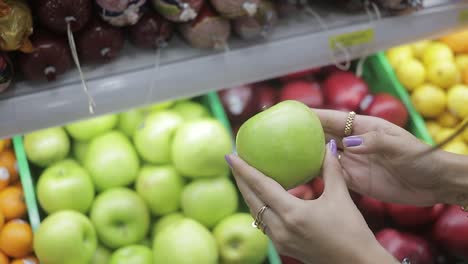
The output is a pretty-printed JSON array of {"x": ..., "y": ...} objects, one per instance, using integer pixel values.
[{"x": 296, "y": 44}]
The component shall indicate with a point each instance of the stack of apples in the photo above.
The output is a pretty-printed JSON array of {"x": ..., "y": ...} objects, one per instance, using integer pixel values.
[
  {"x": 435, "y": 73},
  {"x": 145, "y": 186},
  {"x": 16, "y": 235}
]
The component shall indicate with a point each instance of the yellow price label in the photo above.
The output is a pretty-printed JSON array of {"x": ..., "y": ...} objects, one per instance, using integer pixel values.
[
  {"x": 351, "y": 39},
  {"x": 463, "y": 16}
]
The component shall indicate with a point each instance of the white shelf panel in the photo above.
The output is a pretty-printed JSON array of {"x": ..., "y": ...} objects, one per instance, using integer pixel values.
[{"x": 296, "y": 44}]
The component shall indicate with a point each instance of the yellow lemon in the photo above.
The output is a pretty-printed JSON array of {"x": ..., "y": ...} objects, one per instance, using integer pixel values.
[
  {"x": 457, "y": 100},
  {"x": 433, "y": 127},
  {"x": 465, "y": 135},
  {"x": 448, "y": 120},
  {"x": 411, "y": 73},
  {"x": 445, "y": 133},
  {"x": 443, "y": 73},
  {"x": 437, "y": 52},
  {"x": 461, "y": 61},
  {"x": 2, "y": 145},
  {"x": 429, "y": 100},
  {"x": 457, "y": 147},
  {"x": 418, "y": 48},
  {"x": 398, "y": 54}
]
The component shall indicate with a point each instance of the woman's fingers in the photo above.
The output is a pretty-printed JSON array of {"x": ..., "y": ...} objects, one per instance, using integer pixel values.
[
  {"x": 333, "y": 178},
  {"x": 265, "y": 188}
]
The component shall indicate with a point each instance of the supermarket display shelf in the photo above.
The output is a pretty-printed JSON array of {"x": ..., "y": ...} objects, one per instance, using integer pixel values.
[{"x": 298, "y": 43}]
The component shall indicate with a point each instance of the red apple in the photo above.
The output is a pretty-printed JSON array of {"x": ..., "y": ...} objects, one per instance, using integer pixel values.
[
  {"x": 451, "y": 231},
  {"x": 317, "y": 185},
  {"x": 344, "y": 90},
  {"x": 300, "y": 74},
  {"x": 289, "y": 260},
  {"x": 374, "y": 212},
  {"x": 240, "y": 102},
  {"x": 405, "y": 245},
  {"x": 385, "y": 106},
  {"x": 303, "y": 192},
  {"x": 413, "y": 216},
  {"x": 307, "y": 92},
  {"x": 267, "y": 96}
]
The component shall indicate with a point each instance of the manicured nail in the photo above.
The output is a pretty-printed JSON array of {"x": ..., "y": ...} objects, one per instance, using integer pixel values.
[
  {"x": 352, "y": 141},
  {"x": 228, "y": 160},
  {"x": 332, "y": 147}
]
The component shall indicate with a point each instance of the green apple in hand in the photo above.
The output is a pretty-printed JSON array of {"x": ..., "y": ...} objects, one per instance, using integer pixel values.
[
  {"x": 65, "y": 237},
  {"x": 164, "y": 222},
  {"x": 153, "y": 136},
  {"x": 185, "y": 242},
  {"x": 160, "y": 187},
  {"x": 102, "y": 255},
  {"x": 120, "y": 217},
  {"x": 133, "y": 254},
  {"x": 85, "y": 130},
  {"x": 65, "y": 185},
  {"x": 199, "y": 147},
  {"x": 238, "y": 242},
  {"x": 190, "y": 110},
  {"x": 209, "y": 200},
  {"x": 112, "y": 161},
  {"x": 129, "y": 121},
  {"x": 80, "y": 148},
  {"x": 46, "y": 146},
  {"x": 286, "y": 142}
]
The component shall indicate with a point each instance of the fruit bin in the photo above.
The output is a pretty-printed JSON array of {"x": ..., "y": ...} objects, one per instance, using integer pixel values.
[
  {"x": 381, "y": 78},
  {"x": 210, "y": 100}
]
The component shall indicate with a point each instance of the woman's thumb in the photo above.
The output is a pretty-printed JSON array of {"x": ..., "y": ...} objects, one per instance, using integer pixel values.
[
  {"x": 363, "y": 144},
  {"x": 332, "y": 171}
]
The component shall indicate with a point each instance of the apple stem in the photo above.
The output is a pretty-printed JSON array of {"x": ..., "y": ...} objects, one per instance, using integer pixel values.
[{"x": 50, "y": 73}]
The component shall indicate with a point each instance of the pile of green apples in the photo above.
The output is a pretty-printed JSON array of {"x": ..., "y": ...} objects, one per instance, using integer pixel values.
[{"x": 145, "y": 186}]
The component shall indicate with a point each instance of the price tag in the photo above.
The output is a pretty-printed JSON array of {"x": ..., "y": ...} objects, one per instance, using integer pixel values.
[
  {"x": 463, "y": 16},
  {"x": 352, "y": 39}
]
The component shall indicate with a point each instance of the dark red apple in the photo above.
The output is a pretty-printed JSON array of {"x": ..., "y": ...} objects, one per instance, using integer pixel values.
[
  {"x": 303, "y": 192},
  {"x": 151, "y": 31},
  {"x": 240, "y": 102},
  {"x": 99, "y": 42},
  {"x": 400, "y": 6},
  {"x": 289, "y": 260},
  {"x": 451, "y": 231},
  {"x": 51, "y": 57},
  {"x": 318, "y": 185},
  {"x": 54, "y": 14},
  {"x": 413, "y": 216},
  {"x": 374, "y": 212},
  {"x": 120, "y": 13},
  {"x": 300, "y": 74},
  {"x": 267, "y": 96},
  {"x": 344, "y": 90},
  {"x": 236, "y": 8},
  {"x": 6, "y": 72},
  {"x": 385, "y": 106},
  {"x": 259, "y": 25},
  {"x": 235, "y": 128},
  {"x": 307, "y": 92},
  {"x": 405, "y": 245}
]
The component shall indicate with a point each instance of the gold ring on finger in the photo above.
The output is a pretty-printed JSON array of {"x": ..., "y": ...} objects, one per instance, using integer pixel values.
[
  {"x": 259, "y": 218},
  {"x": 349, "y": 124}
]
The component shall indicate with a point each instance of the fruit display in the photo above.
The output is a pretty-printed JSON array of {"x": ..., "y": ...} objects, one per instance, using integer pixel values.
[
  {"x": 16, "y": 24},
  {"x": 433, "y": 72},
  {"x": 16, "y": 234},
  {"x": 145, "y": 186}
]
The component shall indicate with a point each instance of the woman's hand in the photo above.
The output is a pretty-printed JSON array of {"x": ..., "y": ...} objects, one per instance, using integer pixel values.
[
  {"x": 384, "y": 161},
  {"x": 329, "y": 229}
]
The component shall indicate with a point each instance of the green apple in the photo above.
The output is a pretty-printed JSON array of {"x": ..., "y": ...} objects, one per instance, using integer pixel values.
[
  {"x": 160, "y": 187},
  {"x": 199, "y": 147},
  {"x": 129, "y": 121},
  {"x": 190, "y": 110},
  {"x": 165, "y": 221},
  {"x": 120, "y": 217},
  {"x": 133, "y": 254},
  {"x": 286, "y": 142},
  {"x": 65, "y": 237},
  {"x": 65, "y": 185},
  {"x": 158, "y": 107},
  {"x": 87, "y": 129},
  {"x": 153, "y": 137},
  {"x": 102, "y": 255},
  {"x": 112, "y": 161},
  {"x": 238, "y": 242},
  {"x": 46, "y": 146},
  {"x": 80, "y": 148},
  {"x": 209, "y": 200},
  {"x": 147, "y": 242},
  {"x": 185, "y": 242}
]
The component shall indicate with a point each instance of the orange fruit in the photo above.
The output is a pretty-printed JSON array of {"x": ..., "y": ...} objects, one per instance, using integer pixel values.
[
  {"x": 2, "y": 221},
  {"x": 8, "y": 161},
  {"x": 465, "y": 76},
  {"x": 12, "y": 203},
  {"x": 4, "y": 258},
  {"x": 16, "y": 239},
  {"x": 457, "y": 41},
  {"x": 26, "y": 260}
]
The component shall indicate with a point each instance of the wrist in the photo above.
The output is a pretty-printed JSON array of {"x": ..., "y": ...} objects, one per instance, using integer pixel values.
[{"x": 377, "y": 254}]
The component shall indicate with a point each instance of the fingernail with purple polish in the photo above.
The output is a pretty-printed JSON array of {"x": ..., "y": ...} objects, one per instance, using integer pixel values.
[
  {"x": 332, "y": 147},
  {"x": 352, "y": 141},
  {"x": 228, "y": 160}
]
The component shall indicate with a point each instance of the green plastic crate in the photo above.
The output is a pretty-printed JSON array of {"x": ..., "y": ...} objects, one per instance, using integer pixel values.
[
  {"x": 210, "y": 100},
  {"x": 380, "y": 76}
]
